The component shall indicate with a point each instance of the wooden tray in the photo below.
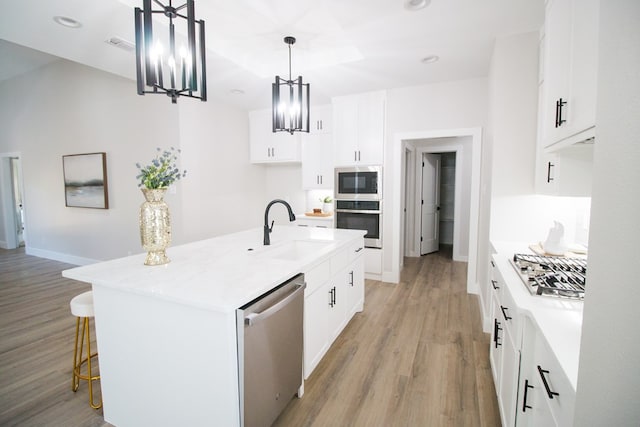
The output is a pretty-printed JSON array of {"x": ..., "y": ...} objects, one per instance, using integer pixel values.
[{"x": 321, "y": 214}]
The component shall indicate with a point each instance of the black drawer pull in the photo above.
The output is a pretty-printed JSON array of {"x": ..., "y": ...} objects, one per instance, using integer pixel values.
[
  {"x": 504, "y": 313},
  {"x": 492, "y": 264},
  {"x": 524, "y": 399},
  {"x": 494, "y": 283},
  {"x": 546, "y": 385}
]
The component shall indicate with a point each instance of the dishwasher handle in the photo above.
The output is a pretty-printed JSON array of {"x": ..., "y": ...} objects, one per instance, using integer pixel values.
[{"x": 255, "y": 318}]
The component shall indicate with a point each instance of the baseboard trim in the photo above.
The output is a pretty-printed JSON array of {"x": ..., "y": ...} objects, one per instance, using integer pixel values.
[{"x": 59, "y": 256}]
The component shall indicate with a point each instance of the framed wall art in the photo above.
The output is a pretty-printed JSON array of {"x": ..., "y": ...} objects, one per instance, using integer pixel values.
[{"x": 85, "y": 180}]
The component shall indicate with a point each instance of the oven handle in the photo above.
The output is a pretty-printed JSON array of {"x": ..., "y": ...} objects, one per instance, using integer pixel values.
[{"x": 358, "y": 211}]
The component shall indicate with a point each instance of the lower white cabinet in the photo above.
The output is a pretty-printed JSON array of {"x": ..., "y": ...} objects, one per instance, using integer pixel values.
[
  {"x": 546, "y": 395},
  {"x": 334, "y": 293},
  {"x": 531, "y": 387},
  {"x": 315, "y": 222}
]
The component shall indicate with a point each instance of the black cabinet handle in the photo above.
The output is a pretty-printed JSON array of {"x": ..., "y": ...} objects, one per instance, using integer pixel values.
[
  {"x": 559, "y": 104},
  {"x": 496, "y": 328},
  {"x": 332, "y": 297},
  {"x": 351, "y": 281},
  {"x": 549, "y": 166},
  {"x": 504, "y": 313},
  {"x": 492, "y": 264},
  {"x": 524, "y": 399},
  {"x": 546, "y": 385},
  {"x": 495, "y": 284},
  {"x": 359, "y": 249}
]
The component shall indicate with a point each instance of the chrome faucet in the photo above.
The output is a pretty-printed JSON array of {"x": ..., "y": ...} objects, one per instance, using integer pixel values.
[{"x": 267, "y": 229}]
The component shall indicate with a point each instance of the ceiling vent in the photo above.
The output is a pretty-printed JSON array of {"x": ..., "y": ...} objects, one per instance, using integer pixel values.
[{"x": 121, "y": 43}]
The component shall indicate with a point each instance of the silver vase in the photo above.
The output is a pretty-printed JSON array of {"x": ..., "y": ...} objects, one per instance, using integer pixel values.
[{"x": 155, "y": 226}]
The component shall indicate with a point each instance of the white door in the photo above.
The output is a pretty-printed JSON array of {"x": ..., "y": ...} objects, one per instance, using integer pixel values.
[{"x": 429, "y": 233}]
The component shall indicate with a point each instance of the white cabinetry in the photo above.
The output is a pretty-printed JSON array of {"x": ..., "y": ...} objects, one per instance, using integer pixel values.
[
  {"x": 546, "y": 397},
  {"x": 266, "y": 146},
  {"x": 334, "y": 293},
  {"x": 317, "y": 161},
  {"x": 322, "y": 222},
  {"x": 358, "y": 129},
  {"x": 505, "y": 349},
  {"x": 563, "y": 167},
  {"x": 320, "y": 119},
  {"x": 570, "y": 71}
]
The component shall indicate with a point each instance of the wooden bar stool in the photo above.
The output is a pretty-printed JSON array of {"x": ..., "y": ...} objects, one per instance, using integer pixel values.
[{"x": 82, "y": 308}]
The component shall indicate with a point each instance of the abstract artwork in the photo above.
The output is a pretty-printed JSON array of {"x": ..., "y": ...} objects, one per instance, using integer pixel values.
[{"x": 85, "y": 180}]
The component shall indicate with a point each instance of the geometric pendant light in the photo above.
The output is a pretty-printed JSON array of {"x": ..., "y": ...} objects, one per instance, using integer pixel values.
[
  {"x": 165, "y": 65},
  {"x": 290, "y": 102}
]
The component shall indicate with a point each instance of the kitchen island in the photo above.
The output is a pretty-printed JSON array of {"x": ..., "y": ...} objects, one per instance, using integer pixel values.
[{"x": 167, "y": 337}]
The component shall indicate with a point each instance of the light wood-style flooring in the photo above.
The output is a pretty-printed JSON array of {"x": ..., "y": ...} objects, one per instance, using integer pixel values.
[{"x": 415, "y": 357}]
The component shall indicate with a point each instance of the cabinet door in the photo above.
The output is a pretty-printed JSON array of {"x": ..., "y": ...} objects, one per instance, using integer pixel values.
[
  {"x": 557, "y": 68},
  {"x": 259, "y": 136},
  {"x": 509, "y": 380},
  {"x": 355, "y": 286},
  {"x": 337, "y": 301},
  {"x": 345, "y": 130},
  {"x": 584, "y": 66},
  {"x": 320, "y": 119},
  {"x": 371, "y": 116},
  {"x": 265, "y": 146},
  {"x": 497, "y": 341},
  {"x": 316, "y": 332},
  {"x": 317, "y": 162}
]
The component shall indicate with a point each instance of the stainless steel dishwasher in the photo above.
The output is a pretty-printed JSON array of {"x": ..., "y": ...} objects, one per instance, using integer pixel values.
[{"x": 270, "y": 352}]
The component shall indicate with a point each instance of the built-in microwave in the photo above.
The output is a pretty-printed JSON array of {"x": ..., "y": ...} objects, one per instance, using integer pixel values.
[{"x": 358, "y": 182}]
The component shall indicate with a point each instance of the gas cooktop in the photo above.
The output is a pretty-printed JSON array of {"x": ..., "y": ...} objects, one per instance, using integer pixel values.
[{"x": 552, "y": 276}]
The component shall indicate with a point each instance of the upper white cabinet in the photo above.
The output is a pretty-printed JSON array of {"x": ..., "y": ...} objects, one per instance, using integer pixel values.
[
  {"x": 320, "y": 119},
  {"x": 266, "y": 146},
  {"x": 570, "y": 72},
  {"x": 358, "y": 129},
  {"x": 563, "y": 168},
  {"x": 317, "y": 162}
]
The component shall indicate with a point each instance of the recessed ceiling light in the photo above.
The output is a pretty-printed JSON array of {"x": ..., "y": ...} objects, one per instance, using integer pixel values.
[
  {"x": 67, "y": 22},
  {"x": 430, "y": 59},
  {"x": 416, "y": 4},
  {"x": 237, "y": 91}
]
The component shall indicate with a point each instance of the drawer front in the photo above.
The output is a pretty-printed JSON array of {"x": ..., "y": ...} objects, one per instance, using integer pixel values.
[
  {"x": 356, "y": 250},
  {"x": 340, "y": 260},
  {"x": 496, "y": 282},
  {"x": 555, "y": 386}
]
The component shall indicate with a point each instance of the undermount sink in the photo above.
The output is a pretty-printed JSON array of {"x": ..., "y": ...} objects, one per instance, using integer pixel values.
[{"x": 292, "y": 250}]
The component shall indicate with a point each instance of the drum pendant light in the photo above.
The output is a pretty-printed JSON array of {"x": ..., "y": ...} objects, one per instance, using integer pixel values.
[
  {"x": 290, "y": 103},
  {"x": 163, "y": 67}
]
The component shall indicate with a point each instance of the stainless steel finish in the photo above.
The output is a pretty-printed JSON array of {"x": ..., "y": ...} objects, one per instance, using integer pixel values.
[
  {"x": 370, "y": 240},
  {"x": 354, "y": 196},
  {"x": 270, "y": 352},
  {"x": 552, "y": 276}
]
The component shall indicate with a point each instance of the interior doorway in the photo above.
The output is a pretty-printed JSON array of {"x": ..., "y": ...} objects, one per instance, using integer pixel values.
[{"x": 12, "y": 201}]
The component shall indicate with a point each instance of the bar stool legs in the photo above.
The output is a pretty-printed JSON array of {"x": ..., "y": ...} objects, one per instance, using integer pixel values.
[{"x": 82, "y": 308}]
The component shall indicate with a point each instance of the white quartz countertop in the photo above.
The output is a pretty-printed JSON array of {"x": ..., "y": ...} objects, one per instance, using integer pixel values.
[
  {"x": 559, "y": 320},
  {"x": 221, "y": 273}
]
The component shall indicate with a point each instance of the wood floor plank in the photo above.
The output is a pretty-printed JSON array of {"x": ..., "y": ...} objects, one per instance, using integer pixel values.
[{"x": 416, "y": 356}]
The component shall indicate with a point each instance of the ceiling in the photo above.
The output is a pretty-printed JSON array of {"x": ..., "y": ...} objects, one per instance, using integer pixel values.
[{"x": 343, "y": 46}]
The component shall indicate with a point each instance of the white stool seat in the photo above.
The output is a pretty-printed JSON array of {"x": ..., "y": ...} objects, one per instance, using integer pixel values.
[{"x": 82, "y": 305}]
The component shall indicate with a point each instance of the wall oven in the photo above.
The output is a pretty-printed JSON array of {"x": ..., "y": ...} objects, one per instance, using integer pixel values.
[
  {"x": 358, "y": 182},
  {"x": 361, "y": 215}
]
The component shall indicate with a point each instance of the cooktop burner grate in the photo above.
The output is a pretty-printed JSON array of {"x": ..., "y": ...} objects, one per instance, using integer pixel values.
[{"x": 552, "y": 276}]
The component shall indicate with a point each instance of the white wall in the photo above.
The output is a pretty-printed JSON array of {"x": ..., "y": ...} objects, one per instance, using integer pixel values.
[
  {"x": 66, "y": 108},
  {"x": 223, "y": 192},
  {"x": 441, "y": 106},
  {"x": 284, "y": 182},
  {"x": 609, "y": 373}
]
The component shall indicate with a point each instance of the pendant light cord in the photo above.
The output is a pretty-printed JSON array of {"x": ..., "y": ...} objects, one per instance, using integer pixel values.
[{"x": 289, "y": 62}]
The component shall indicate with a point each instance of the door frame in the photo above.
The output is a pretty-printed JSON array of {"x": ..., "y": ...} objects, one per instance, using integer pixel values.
[
  {"x": 7, "y": 201},
  {"x": 396, "y": 181}
]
